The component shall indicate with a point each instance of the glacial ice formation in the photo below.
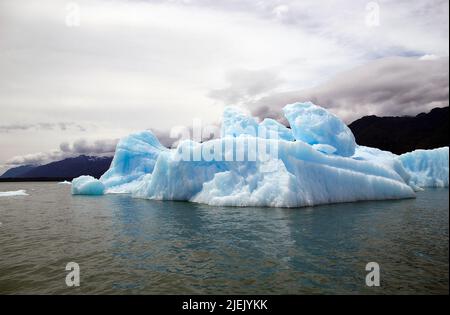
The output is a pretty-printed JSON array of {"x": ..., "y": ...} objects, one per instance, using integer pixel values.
[
  {"x": 14, "y": 193},
  {"x": 428, "y": 168},
  {"x": 236, "y": 122},
  {"x": 315, "y": 125},
  {"x": 135, "y": 157},
  {"x": 267, "y": 164},
  {"x": 87, "y": 185},
  {"x": 280, "y": 130}
]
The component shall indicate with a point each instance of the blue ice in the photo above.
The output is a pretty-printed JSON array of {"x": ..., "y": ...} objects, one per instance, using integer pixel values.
[{"x": 315, "y": 161}]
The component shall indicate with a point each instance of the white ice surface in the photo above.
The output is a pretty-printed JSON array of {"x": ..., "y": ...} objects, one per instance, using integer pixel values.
[{"x": 21, "y": 192}]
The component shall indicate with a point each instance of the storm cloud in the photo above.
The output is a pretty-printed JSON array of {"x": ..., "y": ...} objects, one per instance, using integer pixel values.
[{"x": 388, "y": 86}]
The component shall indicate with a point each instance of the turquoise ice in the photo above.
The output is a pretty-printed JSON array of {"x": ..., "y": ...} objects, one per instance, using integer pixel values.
[
  {"x": 315, "y": 125},
  {"x": 428, "y": 168},
  {"x": 87, "y": 185},
  {"x": 315, "y": 161}
]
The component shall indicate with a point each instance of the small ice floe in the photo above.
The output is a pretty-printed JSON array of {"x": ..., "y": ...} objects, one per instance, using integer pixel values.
[
  {"x": 21, "y": 192},
  {"x": 65, "y": 183}
]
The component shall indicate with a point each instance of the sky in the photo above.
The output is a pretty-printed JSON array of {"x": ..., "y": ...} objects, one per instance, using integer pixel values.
[{"x": 76, "y": 76}]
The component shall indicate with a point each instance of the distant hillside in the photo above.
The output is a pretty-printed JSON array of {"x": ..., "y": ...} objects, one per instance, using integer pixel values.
[
  {"x": 17, "y": 171},
  {"x": 66, "y": 169},
  {"x": 404, "y": 134}
]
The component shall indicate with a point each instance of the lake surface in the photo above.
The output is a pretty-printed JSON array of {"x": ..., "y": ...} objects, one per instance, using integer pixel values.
[{"x": 132, "y": 246}]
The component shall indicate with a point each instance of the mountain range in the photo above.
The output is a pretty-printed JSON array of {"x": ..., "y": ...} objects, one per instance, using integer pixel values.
[
  {"x": 395, "y": 134},
  {"x": 404, "y": 134},
  {"x": 66, "y": 169}
]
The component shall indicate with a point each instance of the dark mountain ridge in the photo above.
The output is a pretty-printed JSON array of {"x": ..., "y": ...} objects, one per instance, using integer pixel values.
[
  {"x": 66, "y": 169},
  {"x": 404, "y": 134},
  {"x": 17, "y": 171}
]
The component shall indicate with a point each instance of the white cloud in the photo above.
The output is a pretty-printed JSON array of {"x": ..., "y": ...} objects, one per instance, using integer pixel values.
[
  {"x": 429, "y": 57},
  {"x": 102, "y": 147}
]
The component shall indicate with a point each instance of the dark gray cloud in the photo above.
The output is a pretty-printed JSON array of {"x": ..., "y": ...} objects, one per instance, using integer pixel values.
[{"x": 389, "y": 86}]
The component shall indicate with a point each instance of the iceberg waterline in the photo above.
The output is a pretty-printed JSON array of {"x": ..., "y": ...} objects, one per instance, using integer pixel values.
[{"x": 316, "y": 161}]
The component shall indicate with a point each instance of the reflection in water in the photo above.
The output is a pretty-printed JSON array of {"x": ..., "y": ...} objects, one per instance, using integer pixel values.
[{"x": 126, "y": 245}]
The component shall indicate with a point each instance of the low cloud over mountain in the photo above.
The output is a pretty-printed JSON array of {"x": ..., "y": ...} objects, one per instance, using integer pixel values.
[{"x": 388, "y": 86}]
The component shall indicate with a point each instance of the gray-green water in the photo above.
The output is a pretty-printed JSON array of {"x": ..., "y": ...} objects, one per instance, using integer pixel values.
[{"x": 129, "y": 246}]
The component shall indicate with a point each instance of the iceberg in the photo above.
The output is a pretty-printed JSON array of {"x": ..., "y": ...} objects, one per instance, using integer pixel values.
[
  {"x": 135, "y": 157},
  {"x": 428, "y": 168},
  {"x": 21, "y": 192},
  {"x": 281, "y": 131},
  {"x": 236, "y": 122},
  {"x": 317, "y": 161},
  {"x": 87, "y": 185},
  {"x": 383, "y": 159},
  {"x": 315, "y": 125},
  {"x": 301, "y": 176}
]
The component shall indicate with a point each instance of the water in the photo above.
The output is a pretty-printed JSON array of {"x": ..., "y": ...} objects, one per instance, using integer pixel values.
[{"x": 131, "y": 246}]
